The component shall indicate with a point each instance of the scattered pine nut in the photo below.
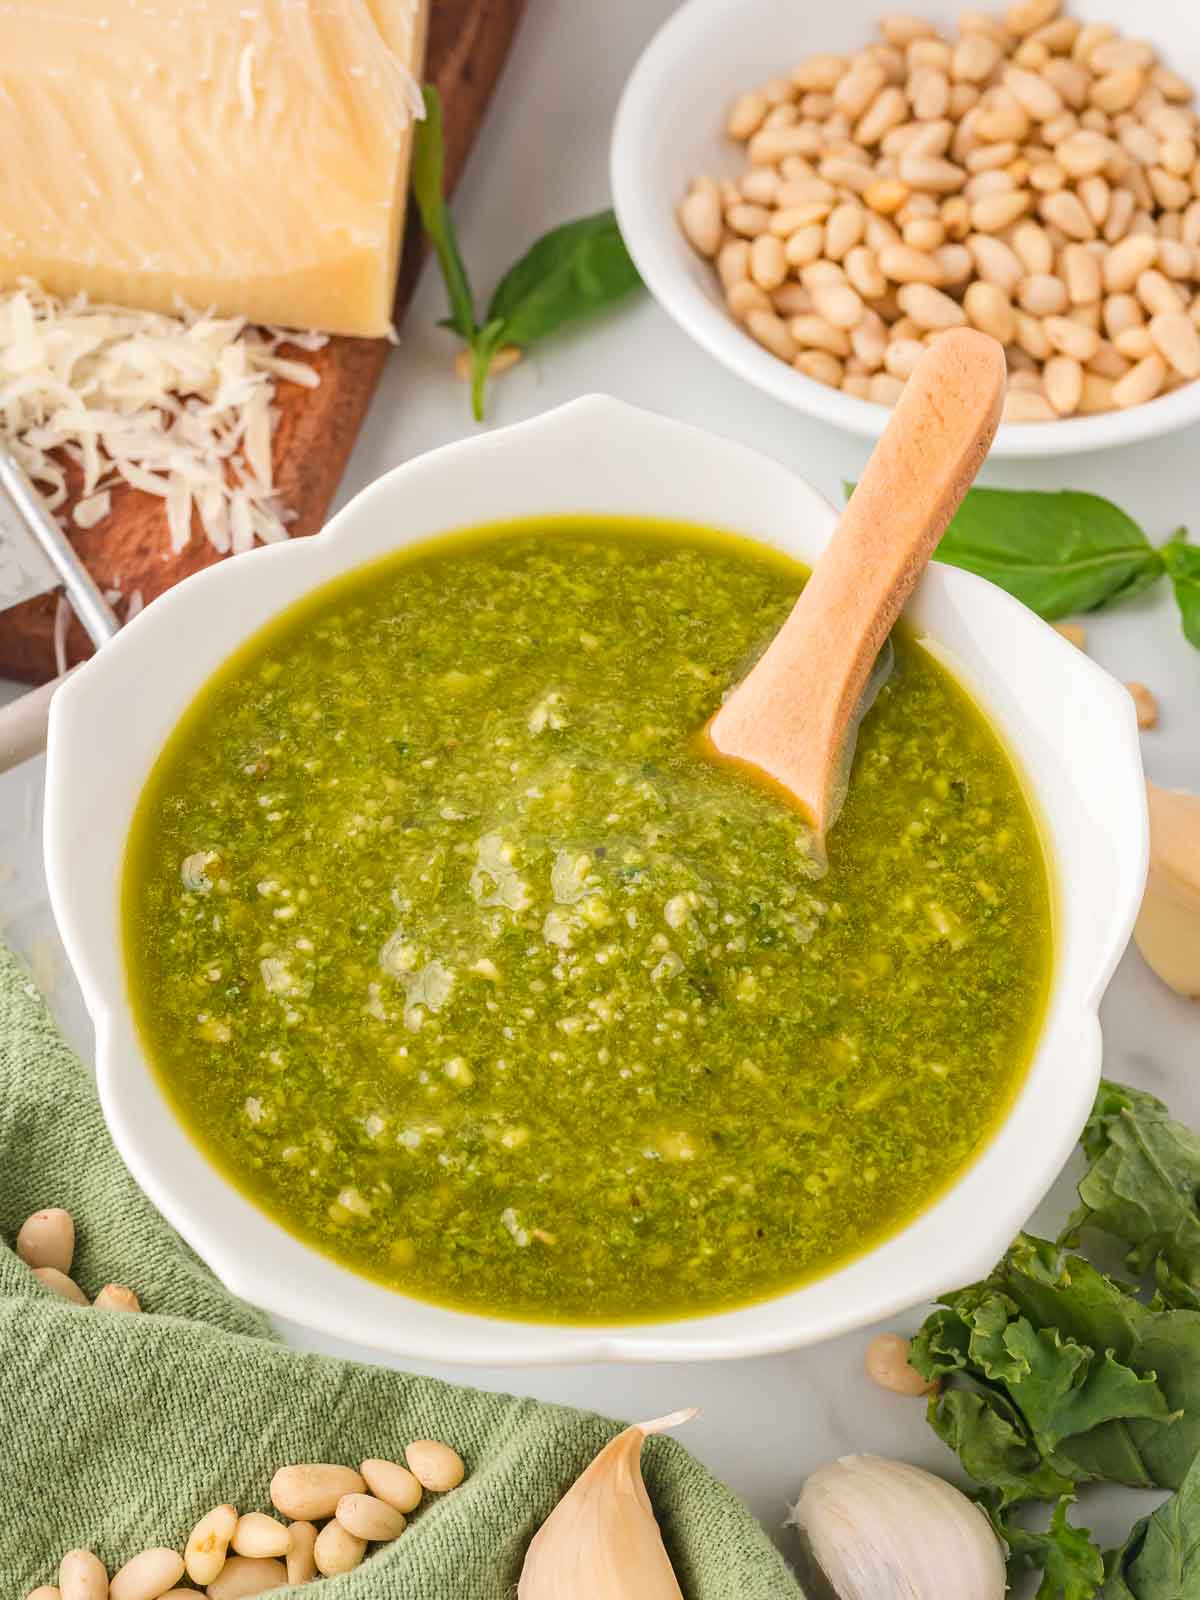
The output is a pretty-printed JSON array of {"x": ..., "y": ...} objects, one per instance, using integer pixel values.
[
  {"x": 208, "y": 1544},
  {"x": 310, "y": 1491},
  {"x": 504, "y": 359},
  {"x": 1145, "y": 705},
  {"x": 257, "y": 1534},
  {"x": 1073, "y": 632},
  {"x": 47, "y": 1239},
  {"x": 434, "y": 1465},
  {"x": 887, "y": 1365},
  {"x": 337, "y": 1551},
  {"x": 58, "y": 1283},
  {"x": 369, "y": 1518},
  {"x": 147, "y": 1576},
  {"x": 81, "y": 1576},
  {"x": 301, "y": 1563},
  {"x": 115, "y": 1297},
  {"x": 242, "y": 1576}
]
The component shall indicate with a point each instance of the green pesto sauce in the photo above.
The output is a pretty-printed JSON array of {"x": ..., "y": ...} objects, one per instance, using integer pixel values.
[{"x": 459, "y": 961}]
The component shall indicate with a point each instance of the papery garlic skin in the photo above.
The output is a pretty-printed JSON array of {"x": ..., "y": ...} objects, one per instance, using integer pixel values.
[
  {"x": 883, "y": 1530},
  {"x": 1168, "y": 926},
  {"x": 602, "y": 1540}
]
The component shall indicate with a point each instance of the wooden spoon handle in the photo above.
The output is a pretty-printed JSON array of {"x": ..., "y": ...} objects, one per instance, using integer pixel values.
[{"x": 790, "y": 717}]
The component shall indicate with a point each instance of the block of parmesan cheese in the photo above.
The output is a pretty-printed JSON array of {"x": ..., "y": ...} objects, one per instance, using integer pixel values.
[{"x": 245, "y": 155}]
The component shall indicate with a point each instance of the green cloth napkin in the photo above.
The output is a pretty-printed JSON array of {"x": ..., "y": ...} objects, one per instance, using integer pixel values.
[{"x": 120, "y": 1431}]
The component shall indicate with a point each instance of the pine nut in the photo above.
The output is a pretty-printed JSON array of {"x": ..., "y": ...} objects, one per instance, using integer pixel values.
[
  {"x": 300, "y": 1561},
  {"x": 115, "y": 1296},
  {"x": 1158, "y": 294},
  {"x": 819, "y": 73},
  {"x": 435, "y": 1466},
  {"x": 1028, "y": 15},
  {"x": 1171, "y": 192},
  {"x": 814, "y": 333},
  {"x": 772, "y": 333},
  {"x": 857, "y": 385},
  {"x": 761, "y": 186},
  {"x": 768, "y": 264},
  {"x": 821, "y": 367},
  {"x": 789, "y": 219},
  {"x": 990, "y": 157},
  {"x": 1141, "y": 383},
  {"x": 855, "y": 90},
  {"x": 844, "y": 229},
  {"x": 742, "y": 299},
  {"x": 869, "y": 341},
  {"x": 1097, "y": 394},
  {"x": 932, "y": 174},
  {"x": 975, "y": 58},
  {"x": 733, "y": 262},
  {"x": 770, "y": 145},
  {"x": 1046, "y": 177},
  {"x": 1070, "y": 79},
  {"x": 1175, "y": 259},
  {"x": 1127, "y": 260},
  {"x": 886, "y": 390},
  {"x": 1117, "y": 91},
  {"x": 863, "y": 271},
  {"x": 1115, "y": 54},
  {"x": 995, "y": 262},
  {"x": 1144, "y": 704},
  {"x": 887, "y": 1365},
  {"x": 257, "y": 1534},
  {"x": 44, "y": 1591},
  {"x": 1096, "y": 197},
  {"x": 1032, "y": 337},
  {"x": 1021, "y": 406},
  {"x": 337, "y": 1551},
  {"x": 746, "y": 115},
  {"x": 147, "y": 1576},
  {"x": 887, "y": 196},
  {"x": 804, "y": 245},
  {"x": 389, "y": 1481},
  {"x": 58, "y": 1283},
  {"x": 1176, "y": 337},
  {"x": 1063, "y": 382},
  {"x": 1065, "y": 211},
  {"x": 1135, "y": 343},
  {"x": 368, "y": 1518},
  {"x": 1032, "y": 244},
  {"x": 902, "y": 264},
  {"x": 930, "y": 308},
  {"x": 1081, "y": 272},
  {"x": 1120, "y": 212},
  {"x": 1042, "y": 295},
  {"x": 925, "y": 233},
  {"x": 902, "y": 356},
  {"x": 1122, "y": 311},
  {"x": 1083, "y": 153},
  {"x": 1108, "y": 362},
  {"x": 208, "y": 1544},
  {"x": 998, "y": 211},
  {"x": 790, "y": 300},
  {"x": 700, "y": 219},
  {"x": 888, "y": 110},
  {"x": 744, "y": 219},
  {"x": 1070, "y": 339},
  {"x": 988, "y": 308},
  {"x": 310, "y": 1491},
  {"x": 81, "y": 1576},
  {"x": 47, "y": 1239},
  {"x": 243, "y": 1576},
  {"x": 839, "y": 305},
  {"x": 1170, "y": 85},
  {"x": 1036, "y": 97}
]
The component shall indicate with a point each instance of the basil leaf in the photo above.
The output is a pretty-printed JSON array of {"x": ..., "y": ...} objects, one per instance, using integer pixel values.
[
  {"x": 1061, "y": 552},
  {"x": 573, "y": 270},
  {"x": 1160, "y": 1560},
  {"x": 1182, "y": 561},
  {"x": 1071, "y": 1565},
  {"x": 1143, "y": 1183},
  {"x": 428, "y": 176}
]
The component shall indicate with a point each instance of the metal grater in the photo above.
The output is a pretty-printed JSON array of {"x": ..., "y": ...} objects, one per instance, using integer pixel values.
[{"x": 36, "y": 557}]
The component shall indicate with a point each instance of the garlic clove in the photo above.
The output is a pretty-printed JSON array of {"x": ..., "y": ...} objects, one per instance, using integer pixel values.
[
  {"x": 1168, "y": 926},
  {"x": 601, "y": 1539},
  {"x": 884, "y": 1530}
]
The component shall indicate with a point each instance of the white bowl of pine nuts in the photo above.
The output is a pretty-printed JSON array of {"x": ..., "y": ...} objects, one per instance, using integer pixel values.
[{"x": 815, "y": 192}]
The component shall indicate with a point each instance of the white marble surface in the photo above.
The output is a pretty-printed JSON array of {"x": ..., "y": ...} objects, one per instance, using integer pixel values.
[{"x": 542, "y": 158}]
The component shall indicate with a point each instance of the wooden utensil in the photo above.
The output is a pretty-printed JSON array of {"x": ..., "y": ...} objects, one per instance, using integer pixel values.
[{"x": 792, "y": 720}]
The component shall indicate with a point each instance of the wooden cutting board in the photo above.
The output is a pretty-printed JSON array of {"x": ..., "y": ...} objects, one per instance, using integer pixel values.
[{"x": 467, "y": 45}]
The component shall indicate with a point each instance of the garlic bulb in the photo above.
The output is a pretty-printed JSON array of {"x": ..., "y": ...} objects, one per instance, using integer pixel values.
[
  {"x": 1168, "y": 927},
  {"x": 601, "y": 1539},
  {"x": 882, "y": 1530}
]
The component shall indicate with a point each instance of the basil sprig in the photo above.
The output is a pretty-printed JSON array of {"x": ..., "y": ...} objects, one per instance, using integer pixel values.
[
  {"x": 1063, "y": 551},
  {"x": 571, "y": 271}
]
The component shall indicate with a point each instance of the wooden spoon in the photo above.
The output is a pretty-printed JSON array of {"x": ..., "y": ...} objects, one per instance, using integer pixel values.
[{"x": 792, "y": 720}]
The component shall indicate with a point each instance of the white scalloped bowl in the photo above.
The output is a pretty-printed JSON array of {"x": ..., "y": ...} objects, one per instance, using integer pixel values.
[
  {"x": 670, "y": 126},
  {"x": 1069, "y": 725}
]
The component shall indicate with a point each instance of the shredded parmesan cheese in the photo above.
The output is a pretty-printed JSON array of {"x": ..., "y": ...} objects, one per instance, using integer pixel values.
[{"x": 180, "y": 407}]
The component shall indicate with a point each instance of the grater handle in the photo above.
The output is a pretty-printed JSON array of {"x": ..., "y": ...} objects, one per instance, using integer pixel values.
[
  {"x": 87, "y": 602},
  {"x": 24, "y": 724}
]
